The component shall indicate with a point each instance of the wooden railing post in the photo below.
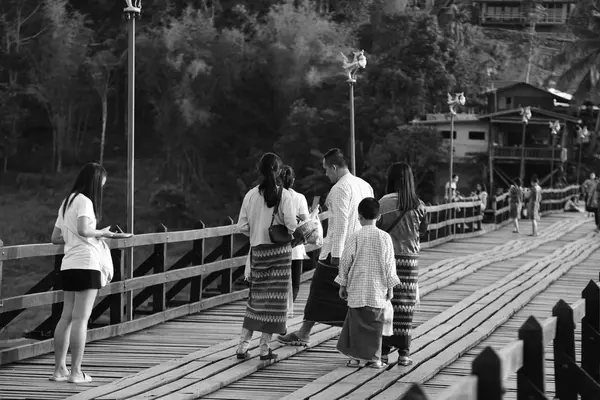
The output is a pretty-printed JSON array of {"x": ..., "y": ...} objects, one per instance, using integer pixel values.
[
  {"x": 226, "y": 281},
  {"x": 1, "y": 252},
  {"x": 160, "y": 259},
  {"x": 56, "y": 307},
  {"x": 117, "y": 306},
  {"x": 590, "y": 336},
  {"x": 414, "y": 393},
  {"x": 564, "y": 351},
  {"x": 197, "y": 259},
  {"x": 487, "y": 366},
  {"x": 531, "y": 381}
]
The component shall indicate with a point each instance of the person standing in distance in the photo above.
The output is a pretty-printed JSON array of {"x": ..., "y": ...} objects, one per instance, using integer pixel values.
[{"x": 324, "y": 304}]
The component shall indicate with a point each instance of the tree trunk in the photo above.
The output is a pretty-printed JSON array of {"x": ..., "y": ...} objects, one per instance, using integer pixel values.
[{"x": 104, "y": 116}]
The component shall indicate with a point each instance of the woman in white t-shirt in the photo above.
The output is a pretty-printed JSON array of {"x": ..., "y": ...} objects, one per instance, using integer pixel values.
[
  {"x": 75, "y": 227},
  {"x": 300, "y": 206}
]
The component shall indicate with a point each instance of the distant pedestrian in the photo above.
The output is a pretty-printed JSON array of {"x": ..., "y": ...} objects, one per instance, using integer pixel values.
[
  {"x": 535, "y": 201},
  {"x": 367, "y": 276},
  {"x": 515, "y": 201}
]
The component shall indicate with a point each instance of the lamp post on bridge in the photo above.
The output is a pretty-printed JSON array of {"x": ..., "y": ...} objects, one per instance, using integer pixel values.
[
  {"x": 453, "y": 103},
  {"x": 131, "y": 12},
  {"x": 351, "y": 68},
  {"x": 525, "y": 117},
  {"x": 582, "y": 135},
  {"x": 554, "y": 130}
]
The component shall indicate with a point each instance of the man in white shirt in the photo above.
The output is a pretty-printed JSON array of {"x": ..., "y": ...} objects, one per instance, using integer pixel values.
[{"x": 324, "y": 304}]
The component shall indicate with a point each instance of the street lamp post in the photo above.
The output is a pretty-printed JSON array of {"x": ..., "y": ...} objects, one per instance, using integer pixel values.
[
  {"x": 554, "y": 129},
  {"x": 582, "y": 135},
  {"x": 351, "y": 68},
  {"x": 453, "y": 103},
  {"x": 131, "y": 13},
  {"x": 525, "y": 117}
]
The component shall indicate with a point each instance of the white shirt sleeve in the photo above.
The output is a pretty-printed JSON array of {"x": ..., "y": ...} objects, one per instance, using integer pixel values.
[
  {"x": 83, "y": 207},
  {"x": 243, "y": 226},
  {"x": 340, "y": 202}
]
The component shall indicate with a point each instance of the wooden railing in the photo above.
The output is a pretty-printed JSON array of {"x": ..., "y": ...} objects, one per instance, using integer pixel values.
[
  {"x": 531, "y": 153},
  {"x": 205, "y": 280},
  {"x": 526, "y": 358}
]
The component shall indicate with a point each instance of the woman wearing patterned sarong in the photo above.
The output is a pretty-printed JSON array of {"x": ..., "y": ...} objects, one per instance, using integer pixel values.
[
  {"x": 269, "y": 265},
  {"x": 403, "y": 217},
  {"x": 515, "y": 202}
]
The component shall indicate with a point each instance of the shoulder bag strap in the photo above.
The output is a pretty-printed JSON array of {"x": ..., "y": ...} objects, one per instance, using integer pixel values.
[
  {"x": 396, "y": 222},
  {"x": 276, "y": 209}
]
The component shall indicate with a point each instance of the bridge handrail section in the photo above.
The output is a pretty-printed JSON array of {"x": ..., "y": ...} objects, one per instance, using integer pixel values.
[
  {"x": 525, "y": 357},
  {"x": 194, "y": 269}
]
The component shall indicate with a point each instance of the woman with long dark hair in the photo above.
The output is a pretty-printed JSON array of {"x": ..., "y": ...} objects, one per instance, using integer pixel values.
[
  {"x": 269, "y": 263},
  {"x": 80, "y": 271},
  {"x": 300, "y": 206},
  {"x": 403, "y": 217}
]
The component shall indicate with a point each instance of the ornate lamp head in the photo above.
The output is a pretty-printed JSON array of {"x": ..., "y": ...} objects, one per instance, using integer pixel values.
[
  {"x": 133, "y": 9},
  {"x": 459, "y": 99},
  {"x": 351, "y": 68},
  {"x": 554, "y": 127},
  {"x": 582, "y": 133},
  {"x": 526, "y": 114}
]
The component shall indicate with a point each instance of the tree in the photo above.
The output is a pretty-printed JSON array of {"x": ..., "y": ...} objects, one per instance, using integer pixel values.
[
  {"x": 101, "y": 66},
  {"x": 54, "y": 77}
]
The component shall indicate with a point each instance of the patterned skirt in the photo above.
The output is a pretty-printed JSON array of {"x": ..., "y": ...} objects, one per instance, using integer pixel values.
[
  {"x": 405, "y": 300},
  {"x": 270, "y": 288}
]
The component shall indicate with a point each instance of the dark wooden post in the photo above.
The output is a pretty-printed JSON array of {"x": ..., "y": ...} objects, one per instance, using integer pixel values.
[
  {"x": 564, "y": 349},
  {"x": 414, "y": 393},
  {"x": 531, "y": 381},
  {"x": 160, "y": 260},
  {"x": 197, "y": 259},
  {"x": 226, "y": 281},
  {"x": 1, "y": 252},
  {"x": 488, "y": 369},
  {"x": 117, "y": 310},
  {"x": 590, "y": 336},
  {"x": 57, "y": 307}
]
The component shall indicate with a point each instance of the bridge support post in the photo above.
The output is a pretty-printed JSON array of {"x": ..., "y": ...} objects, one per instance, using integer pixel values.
[
  {"x": 117, "y": 304},
  {"x": 160, "y": 259},
  {"x": 531, "y": 380},
  {"x": 197, "y": 259},
  {"x": 226, "y": 274},
  {"x": 590, "y": 336},
  {"x": 488, "y": 369},
  {"x": 56, "y": 307},
  {"x": 414, "y": 393},
  {"x": 564, "y": 351}
]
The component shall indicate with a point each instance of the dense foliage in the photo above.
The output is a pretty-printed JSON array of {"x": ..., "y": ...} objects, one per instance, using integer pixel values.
[{"x": 218, "y": 83}]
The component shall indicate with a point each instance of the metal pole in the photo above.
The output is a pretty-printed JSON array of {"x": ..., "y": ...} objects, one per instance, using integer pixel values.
[
  {"x": 579, "y": 161},
  {"x": 552, "y": 165},
  {"x": 451, "y": 156},
  {"x": 130, "y": 160},
  {"x": 352, "y": 138},
  {"x": 522, "y": 172}
]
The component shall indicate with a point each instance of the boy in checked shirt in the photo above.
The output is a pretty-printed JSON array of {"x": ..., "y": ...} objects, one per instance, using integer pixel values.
[{"x": 367, "y": 276}]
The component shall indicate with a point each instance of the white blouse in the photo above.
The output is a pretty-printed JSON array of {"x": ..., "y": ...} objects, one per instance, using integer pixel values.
[
  {"x": 300, "y": 205},
  {"x": 80, "y": 252}
]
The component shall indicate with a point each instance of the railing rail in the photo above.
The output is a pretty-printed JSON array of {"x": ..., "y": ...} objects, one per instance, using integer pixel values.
[
  {"x": 531, "y": 153},
  {"x": 525, "y": 357},
  {"x": 194, "y": 269}
]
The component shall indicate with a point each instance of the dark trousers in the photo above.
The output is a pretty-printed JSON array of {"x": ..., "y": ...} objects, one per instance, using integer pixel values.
[
  {"x": 401, "y": 342},
  {"x": 296, "y": 274},
  {"x": 597, "y": 217}
]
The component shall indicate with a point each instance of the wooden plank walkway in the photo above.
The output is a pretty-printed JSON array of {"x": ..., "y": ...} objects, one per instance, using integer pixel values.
[{"x": 449, "y": 273}]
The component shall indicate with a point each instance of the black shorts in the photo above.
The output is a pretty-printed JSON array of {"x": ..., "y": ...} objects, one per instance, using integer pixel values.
[{"x": 76, "y": 280}]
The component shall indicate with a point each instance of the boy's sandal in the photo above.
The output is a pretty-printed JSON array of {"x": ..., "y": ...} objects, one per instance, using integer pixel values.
[
  {"x": 404, "y": 361},
  {"x": 243, "y": 356},
  {"x": 269, "y": 356},
  {"x": 353, "y": 363},
  {"x": 85, "y": 378},
  {"x": 377, "y": 365}
]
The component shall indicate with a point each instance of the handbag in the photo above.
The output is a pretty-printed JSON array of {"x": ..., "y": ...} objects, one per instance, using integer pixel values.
[
  {"x": 388, "y": 319},
  {"x": 278, "y": 233}
]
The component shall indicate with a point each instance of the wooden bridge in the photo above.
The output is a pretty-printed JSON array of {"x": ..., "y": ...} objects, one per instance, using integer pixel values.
[{"x": 500, "y": 314}]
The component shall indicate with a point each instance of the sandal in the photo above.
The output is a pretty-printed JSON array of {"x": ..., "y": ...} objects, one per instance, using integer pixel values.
[
  {"x": 63, "y": 378},
  {"x": 377, "y": 365},
  {"x": 269, "y": 356},
  {"x": 85, "y": 378},
  {"x": 353, "y": 363},
  {"x": 243, "y": 356},
  {"x": 292, "y": 339},
  {"x": 404, "y": 361}
]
